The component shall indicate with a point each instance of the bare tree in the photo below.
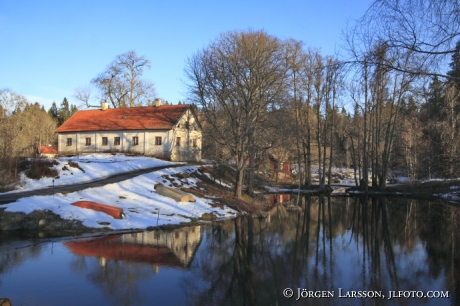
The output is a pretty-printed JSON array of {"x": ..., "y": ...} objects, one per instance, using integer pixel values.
[
  {"x": 425, "y": 29},
  {"x": 296, "y": 59},
  {"x": 121, "y": 83},
  {"x": 234, "y": 81},
  {"x": 83, "y": 94},
  {"x": 23, "y": 127}
]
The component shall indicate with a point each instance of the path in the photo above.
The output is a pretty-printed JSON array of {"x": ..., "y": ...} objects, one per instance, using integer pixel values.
[{"x": 12, "y": 197}]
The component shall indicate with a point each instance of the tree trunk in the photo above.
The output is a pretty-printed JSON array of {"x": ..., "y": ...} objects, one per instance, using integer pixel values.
[
  {"x": 251, "y": 174},
  {"x": 239, "y": 182}
]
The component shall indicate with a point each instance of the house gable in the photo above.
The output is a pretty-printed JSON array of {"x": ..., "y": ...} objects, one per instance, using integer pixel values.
[{"x": 187, "y": 137}]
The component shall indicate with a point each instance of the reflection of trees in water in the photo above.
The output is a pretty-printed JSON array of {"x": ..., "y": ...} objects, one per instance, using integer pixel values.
[
  {"x": 440, "y": 231},
  {"x": 370, "y": 229},
  {"x": 119, "y": 280},
  {"x": 353, "y": 243},
  {"x": 13, "y": 258}
]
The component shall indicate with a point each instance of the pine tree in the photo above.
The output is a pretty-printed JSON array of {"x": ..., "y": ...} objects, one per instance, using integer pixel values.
[
  {"x": 73, "y": 109},
  {"x": 53, "y": 111},
  {"x": 455, "y": 65},
  {"x": 433, "y": 108},
  {"x": 64, "y": 112}
]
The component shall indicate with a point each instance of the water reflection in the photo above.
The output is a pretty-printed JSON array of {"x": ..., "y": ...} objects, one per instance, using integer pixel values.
[
  {"x": 126, "y": 261},
  {"x": 336, "y": 245},
  {"x": 157, "y": 248}
]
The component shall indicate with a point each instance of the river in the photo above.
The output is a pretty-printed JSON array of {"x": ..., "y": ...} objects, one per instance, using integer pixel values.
[{"x": 332, "y": 251}]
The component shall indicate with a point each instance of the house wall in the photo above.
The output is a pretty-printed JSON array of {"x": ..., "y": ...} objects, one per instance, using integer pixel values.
[
  {"x": 156, "y": 150},
  {"x": 146, "y": 141},
  {"x": 187, "y": 133}
]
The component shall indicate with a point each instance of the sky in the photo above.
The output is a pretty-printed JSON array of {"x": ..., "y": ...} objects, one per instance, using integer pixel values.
[{"x": 50, "y": 48}]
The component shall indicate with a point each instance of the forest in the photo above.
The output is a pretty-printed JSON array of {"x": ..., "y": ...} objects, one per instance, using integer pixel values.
[
  {"x": 24, "y": 126},
  {"x": 388, "y": 105}
]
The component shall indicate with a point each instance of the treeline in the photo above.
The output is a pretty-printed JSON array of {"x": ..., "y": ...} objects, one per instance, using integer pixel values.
[
  {"x": 23, "y": 127},
  {"x": 387, "y": 105}
]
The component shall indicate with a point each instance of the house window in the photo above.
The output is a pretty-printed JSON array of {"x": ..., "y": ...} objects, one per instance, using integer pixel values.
[
  {"x": 187, "y": 125},
  {"x": 194, "y": 143},
  {"x": 105, "y": 141},
  {"x": 88, "y": 141},
  {"x": 135, "y": 140},
  {"x": 158, "y": 140},
  {"x": 69, "y": 141},
  {"x": 178, "y": 141},
  {"x": 116, "y": 141}
]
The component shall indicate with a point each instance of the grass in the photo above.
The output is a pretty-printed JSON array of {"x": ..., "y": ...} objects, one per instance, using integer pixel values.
[{"x": 39, "y": 168}]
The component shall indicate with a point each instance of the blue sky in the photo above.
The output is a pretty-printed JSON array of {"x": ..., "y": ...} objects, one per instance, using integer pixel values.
[{"x": 49, "y": 48}]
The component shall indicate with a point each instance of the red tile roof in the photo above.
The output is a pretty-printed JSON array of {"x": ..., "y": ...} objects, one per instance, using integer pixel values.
[
  {"x": 162, "y": 117},
  {"x": 47, "y": 150}
]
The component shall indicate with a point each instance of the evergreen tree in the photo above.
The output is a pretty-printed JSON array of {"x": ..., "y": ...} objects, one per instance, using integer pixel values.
[
  {"x": 53, "y": 111},
  {"x": 64, "y": 112},
  {"x": 433, "y": 108},
  {"x": 73, "y": 109},
  {"x": 454, "y": 74},
  {"x": 411, "y": 106}
]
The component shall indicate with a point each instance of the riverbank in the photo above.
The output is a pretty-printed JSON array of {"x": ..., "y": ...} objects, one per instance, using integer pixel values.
[
  {"x": 446, "y": 189},
  {"x": 146, "y": 209},
  {"x": 143, "y": 207},
  {"x": 53, "y": 215}
]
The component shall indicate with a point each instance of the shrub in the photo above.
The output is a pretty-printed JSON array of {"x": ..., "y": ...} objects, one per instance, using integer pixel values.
[
  {"x": 75, "y": 165},
  {"x": 39, "y": 168}
]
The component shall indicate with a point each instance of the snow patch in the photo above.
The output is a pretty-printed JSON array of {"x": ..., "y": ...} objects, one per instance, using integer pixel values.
[
  {"x": 95, "y": 167},
  {"x": 142, "y": 206}
]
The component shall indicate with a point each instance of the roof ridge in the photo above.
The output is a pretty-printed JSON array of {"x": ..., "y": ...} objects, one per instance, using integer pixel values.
[{"x": 162, "y": 117}]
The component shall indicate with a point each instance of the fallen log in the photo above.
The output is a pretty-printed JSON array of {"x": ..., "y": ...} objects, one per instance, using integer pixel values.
[
  {"x": 115, "y": 212},
  {"x": 177, "y": 195}
]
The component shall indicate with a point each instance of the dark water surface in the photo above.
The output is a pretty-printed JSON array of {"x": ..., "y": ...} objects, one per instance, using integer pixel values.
[{"x": 335, "y": 251}]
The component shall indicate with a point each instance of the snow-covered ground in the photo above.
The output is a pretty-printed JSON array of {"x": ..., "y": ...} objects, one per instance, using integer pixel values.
[
  {"x": 143, "y": 207},
  {"x": 95, "y": 167}
]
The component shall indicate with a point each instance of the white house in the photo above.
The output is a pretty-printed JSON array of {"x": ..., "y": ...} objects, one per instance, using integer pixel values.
[{"x": 165, "y": 131}]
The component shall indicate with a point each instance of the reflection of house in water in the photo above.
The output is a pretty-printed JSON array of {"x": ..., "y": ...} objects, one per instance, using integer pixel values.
[
  {"x": 160, "y": 248},
  {"x": 280, "y": 198}
]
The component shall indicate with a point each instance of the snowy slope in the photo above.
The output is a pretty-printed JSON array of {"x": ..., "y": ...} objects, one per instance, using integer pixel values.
[
  {"x": 142, "y": 206},
  {"x": 95, "y": 167}
]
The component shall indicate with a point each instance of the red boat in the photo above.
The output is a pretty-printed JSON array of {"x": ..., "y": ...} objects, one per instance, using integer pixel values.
[{"x": 113, "y": 211}]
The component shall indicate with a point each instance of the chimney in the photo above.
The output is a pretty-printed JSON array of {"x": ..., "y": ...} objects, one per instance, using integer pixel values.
[
  {"x": 157, "y": 102},
  {"x": 104, "y": 105}
]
